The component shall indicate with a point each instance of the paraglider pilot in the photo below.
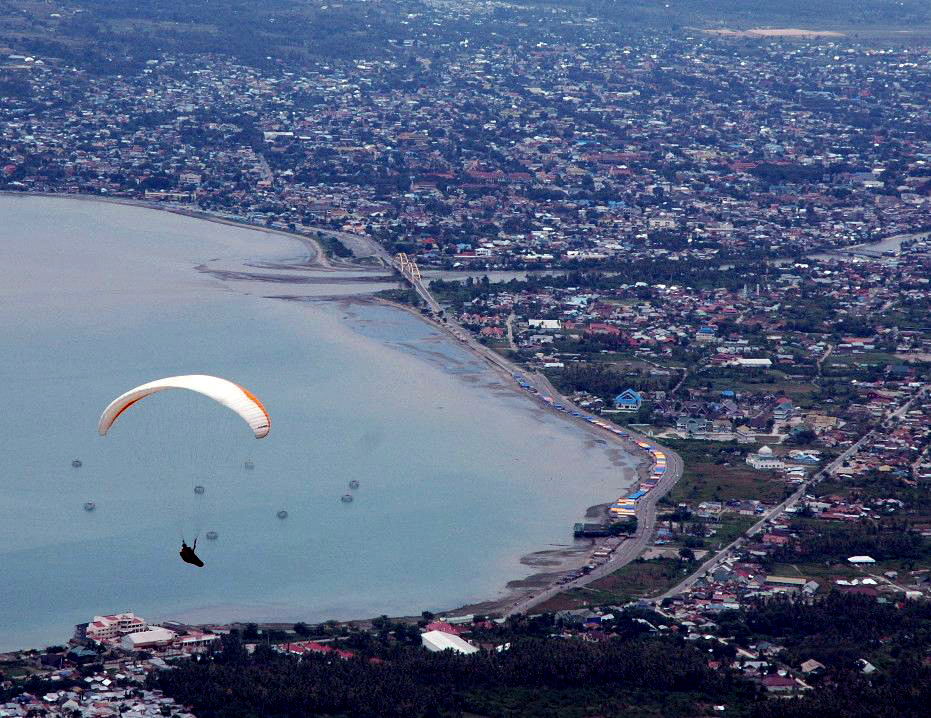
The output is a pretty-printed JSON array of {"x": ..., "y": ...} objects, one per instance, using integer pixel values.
[
  {"x": 240, "y": 400},
  {"x": 188, "y": 555}
]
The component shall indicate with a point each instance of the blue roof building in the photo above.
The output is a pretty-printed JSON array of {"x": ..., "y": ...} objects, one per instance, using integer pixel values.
[{"x": 628, "y": 400}]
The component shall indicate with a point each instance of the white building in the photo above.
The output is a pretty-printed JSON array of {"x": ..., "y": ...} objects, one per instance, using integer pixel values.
[
  {"x": 196, "y": 641},
  {"x": 439, "y": 641},
  {"x": 758, "y": 363},
  {"x": 545, "y": 324},
  {"x": 764, "y": 459},
  {"x": 109, "y": 628},
  {"x": 153, "y": 638}
]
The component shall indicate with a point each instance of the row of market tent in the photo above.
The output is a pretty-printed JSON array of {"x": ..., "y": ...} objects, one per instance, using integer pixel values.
[{"x": 625, "y": 505}]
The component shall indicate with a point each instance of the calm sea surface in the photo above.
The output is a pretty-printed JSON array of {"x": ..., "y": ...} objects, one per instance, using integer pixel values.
[{"x": 459, "y": 476}]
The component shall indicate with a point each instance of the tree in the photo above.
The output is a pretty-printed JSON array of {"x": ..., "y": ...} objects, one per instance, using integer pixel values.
[
  {"x": 381, "y": 623},
  {"x": 302, "y": 629}
]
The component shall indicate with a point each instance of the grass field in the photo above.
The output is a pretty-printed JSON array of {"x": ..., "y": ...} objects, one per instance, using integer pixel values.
[
  {"x": 706, "y": 480},
  {"x": 710, "y": 482},
  {"x": 865, "y": 358},
  {"x": 640, "y": 579},
  {"x": 823, "y": 573},
  {"x": 770, "y": 382},
  {"x": 730, "y": 527}
]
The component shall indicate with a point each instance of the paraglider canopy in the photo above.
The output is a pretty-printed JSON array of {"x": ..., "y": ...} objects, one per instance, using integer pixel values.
[{"x": 230, "y": 395}]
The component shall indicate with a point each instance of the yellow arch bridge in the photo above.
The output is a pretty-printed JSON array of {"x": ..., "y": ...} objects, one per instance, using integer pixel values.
[{"x": 408, "y": 267}]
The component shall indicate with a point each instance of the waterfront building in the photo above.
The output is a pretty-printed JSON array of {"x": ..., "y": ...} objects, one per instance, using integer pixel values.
[
  {"x": 157, "y": 637},
  {"x": 628, "y": 400},
  {"x": 115, "y": 626}
]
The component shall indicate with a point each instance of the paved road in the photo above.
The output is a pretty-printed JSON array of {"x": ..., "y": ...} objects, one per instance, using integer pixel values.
[
  {"x": 419, "y": 287},
  {"x": 628, "y": 551},
  {"x": 824, "y": 356},
  {"x": 777, "y": 511}
]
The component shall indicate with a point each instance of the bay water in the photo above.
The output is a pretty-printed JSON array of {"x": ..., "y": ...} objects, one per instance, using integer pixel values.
[{"x": 459, "y": 475}]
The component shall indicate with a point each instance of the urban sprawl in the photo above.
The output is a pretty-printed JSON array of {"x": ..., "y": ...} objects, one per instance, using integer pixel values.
[{"x": 720, "y": 245}]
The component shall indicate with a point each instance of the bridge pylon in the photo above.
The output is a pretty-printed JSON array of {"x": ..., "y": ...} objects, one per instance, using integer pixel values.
[{"x": 408, "y": 267}]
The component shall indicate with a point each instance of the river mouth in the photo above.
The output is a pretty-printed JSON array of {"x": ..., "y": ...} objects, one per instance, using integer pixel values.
[{"x": 101, "y": 297}]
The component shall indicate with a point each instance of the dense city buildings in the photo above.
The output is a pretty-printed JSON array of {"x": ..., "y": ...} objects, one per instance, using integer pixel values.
[{"x": 686, "y": 149}]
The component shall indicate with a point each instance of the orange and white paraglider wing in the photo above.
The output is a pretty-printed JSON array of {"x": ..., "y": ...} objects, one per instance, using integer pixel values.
[{"x": 230, "y": 395}]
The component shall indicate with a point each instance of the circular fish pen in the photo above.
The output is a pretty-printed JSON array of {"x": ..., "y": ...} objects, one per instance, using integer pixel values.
[
  {"x": 282, "y": 514},
  {"x": 77, "y": 463},
  {"x": 89, "y": 506},
  {"x": 199, "y": 489},
  {"x": 353, "y": 484},
  {"x": 346, "y": 498}
]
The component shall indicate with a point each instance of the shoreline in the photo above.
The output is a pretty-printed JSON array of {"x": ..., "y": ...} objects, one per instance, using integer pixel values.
[
  {"x": 555, "y": 562},
  {"x": 524, "y": 594},
  {"x": 319, "y": 260}
]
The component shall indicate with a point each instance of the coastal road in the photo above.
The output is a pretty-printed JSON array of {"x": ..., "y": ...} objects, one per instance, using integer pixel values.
[
  {"x": 628, "y": 551},
  {"x": 778, "y": 510},
  {"x": 631, "y": 548}
]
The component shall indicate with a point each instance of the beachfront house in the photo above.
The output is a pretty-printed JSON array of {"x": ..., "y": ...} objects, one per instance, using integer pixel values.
[{"x": 628, "y": 400}]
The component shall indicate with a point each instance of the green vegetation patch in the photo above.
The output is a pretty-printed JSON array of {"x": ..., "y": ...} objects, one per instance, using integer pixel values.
[
  {"x": 866, "y": 359},
  {"x": 639, "y": 579},
  {"x": 753, "y": 381},
  {"x": 534, "y": 677},
  {"x": 577, "y": 703},
  {"x": 401, "y": 296},
  {"x": 728, "y": 529},
  {"x": 829, "y": 542},
  {"x": 332, "y": 247},
  {"x": 824, "y": 573}
]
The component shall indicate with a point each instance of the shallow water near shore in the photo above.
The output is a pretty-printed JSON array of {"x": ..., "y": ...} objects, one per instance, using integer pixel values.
[{"x": 459, "y": 475}]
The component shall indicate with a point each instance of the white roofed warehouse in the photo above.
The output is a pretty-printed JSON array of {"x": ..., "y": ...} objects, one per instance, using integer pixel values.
[
  {"x": 437, "y": 641},
  {"x": 153, "y": 638}
]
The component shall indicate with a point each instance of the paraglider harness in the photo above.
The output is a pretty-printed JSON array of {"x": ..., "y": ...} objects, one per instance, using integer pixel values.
[{"x": 188, "y": 555}]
